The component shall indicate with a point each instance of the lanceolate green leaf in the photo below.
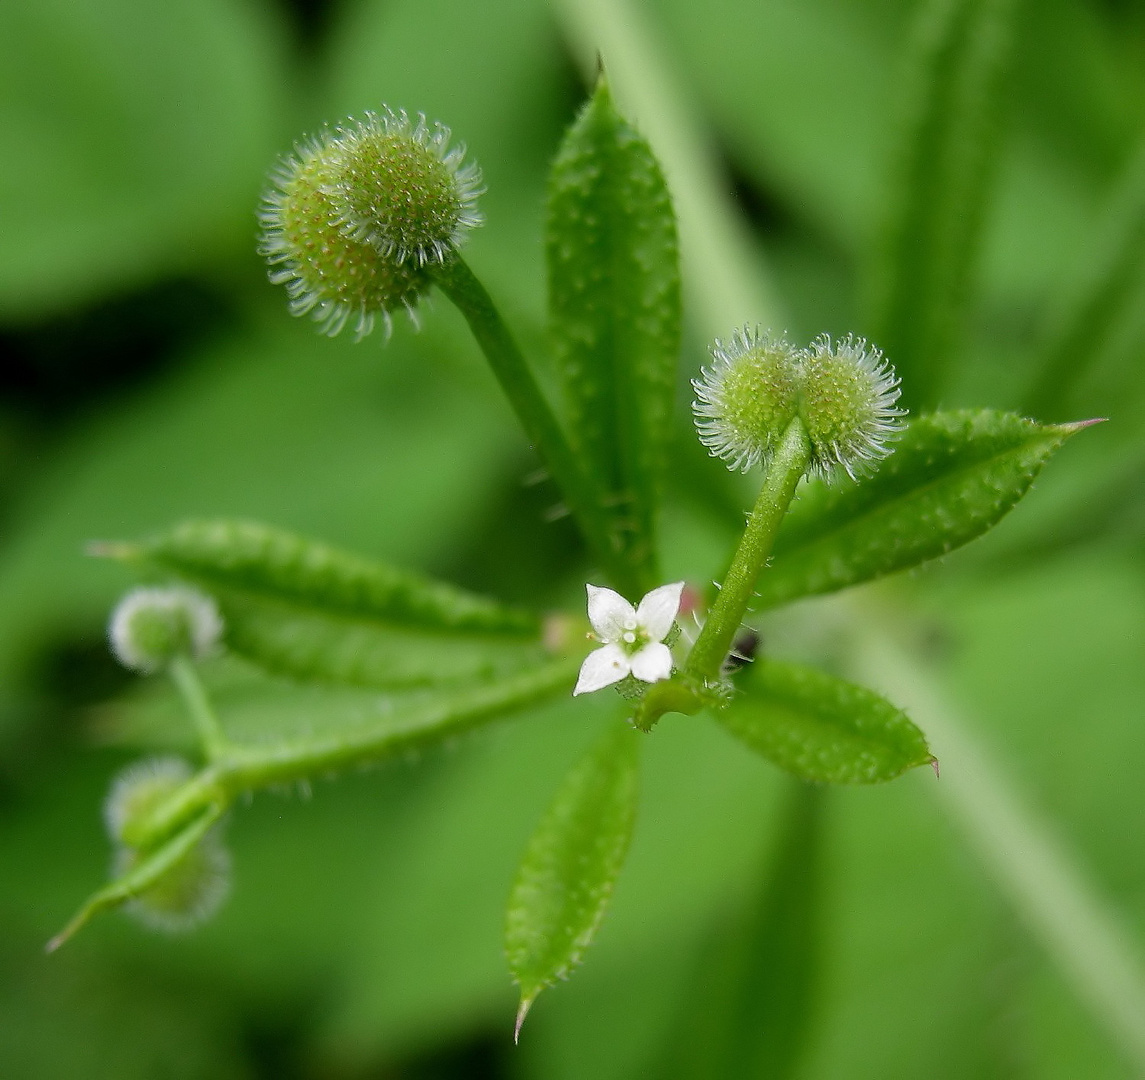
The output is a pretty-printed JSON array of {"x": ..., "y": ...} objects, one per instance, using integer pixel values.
[
  {"x": 322, "y": 733},
  {"x": 349, "y": 729},
  {"x": 263, "y": 561},
  {"x": 936, "y": 211},
  {"x": 951, "y": 478},
  {"x": 614, "y": 307},
  {"x": 317, "y": 647},
  {"x": 821, "y": 728},
  {"x": 570, "y": 866},
  {"x": 262, "y": 713},
  {"x": 143, "y": 874},
  {"x": 302, "y": 609}
]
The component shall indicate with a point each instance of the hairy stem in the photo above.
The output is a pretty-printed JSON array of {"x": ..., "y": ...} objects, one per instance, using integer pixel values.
[
  {"x": 458, "y": 282},
  {"x": 243, "y": 768},
  {"x": 724, "y": 620}
]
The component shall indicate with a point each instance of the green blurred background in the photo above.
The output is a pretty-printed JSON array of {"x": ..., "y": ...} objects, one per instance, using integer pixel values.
[{"x": 150, "y": 373}]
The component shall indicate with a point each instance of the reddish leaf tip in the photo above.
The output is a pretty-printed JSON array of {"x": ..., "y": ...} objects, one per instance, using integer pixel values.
[
  {"x": 1077, "y": 425},
  {"x": 522, "y": 1012},
  {"x": 934, "y": 766}
]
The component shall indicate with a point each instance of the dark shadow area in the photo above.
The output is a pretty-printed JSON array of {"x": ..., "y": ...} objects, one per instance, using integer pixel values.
[
  {"x": 310, "y": 22},
  {"x": 74, "y": 362}
]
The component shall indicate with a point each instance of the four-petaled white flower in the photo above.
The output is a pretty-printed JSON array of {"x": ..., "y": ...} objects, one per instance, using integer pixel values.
[{"x": 632, "y": 638}]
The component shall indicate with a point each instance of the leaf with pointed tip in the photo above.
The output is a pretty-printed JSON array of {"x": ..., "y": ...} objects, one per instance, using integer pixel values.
[
  {"x": 821, "y": 728},
  {"x": 259, "y": 559},
  {"x": 316, "y": 647},
  {"x": 303, "y": 609},
  {"x": 614, "y": 313},
  {"x": 282, "y": 735},
  {"x": 143, "y": 874},
  {"x": 952, "y": 477},
  {"x": 328, "y": 724},
  {"x": 323, "y": 730},
  {"x": 570, "y": 866}
]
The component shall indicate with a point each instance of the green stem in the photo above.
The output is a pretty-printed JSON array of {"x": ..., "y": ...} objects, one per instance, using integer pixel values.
[
  {"x": 142, "y": 877},
  {"x": 724, "y": 620},
  {"x": 198, "y": 705},
  {"x": 458, "y": 282},
  {"x": 244, "y": 768}
]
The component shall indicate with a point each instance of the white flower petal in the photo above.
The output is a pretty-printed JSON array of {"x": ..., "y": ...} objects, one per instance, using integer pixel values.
[
  {"x": 602, "y": 667},
  {"x": 609, "y": 613},
  {"x": 657, "y": 611},
  {"x": 652, "y": 663}
]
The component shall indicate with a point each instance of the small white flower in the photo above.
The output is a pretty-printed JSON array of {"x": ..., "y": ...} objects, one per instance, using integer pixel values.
[{"x": 632, "y": 638}]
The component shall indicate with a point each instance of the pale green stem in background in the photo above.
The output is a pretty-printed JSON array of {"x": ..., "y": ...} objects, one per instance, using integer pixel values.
[
  {"x": 199, "y": 707},
  {"x": 1065, "y": 914},
  {"x": 784, "y": 472},
  {"x": 727, "y": 284},
  {"x": 1084, "y": 937}
]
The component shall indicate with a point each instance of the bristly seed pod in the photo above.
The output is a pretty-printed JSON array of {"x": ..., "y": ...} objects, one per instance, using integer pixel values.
[
  {"x": 139, "y": 789},
  {"x": 848, "y": 406},
  {"x": 150, "y": 627},
  {"x": 186, "y": 895},
  {"x": 844, "y": 395},
  {"x": 747, "y": 398},
  {"x": 194, "y": 888},
  {"x": 356, "y": 215},
  {"x": 403, "y": 189}
]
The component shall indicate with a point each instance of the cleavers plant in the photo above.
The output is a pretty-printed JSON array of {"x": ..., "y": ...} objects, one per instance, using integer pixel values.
[{"x": 362, "y": 221}]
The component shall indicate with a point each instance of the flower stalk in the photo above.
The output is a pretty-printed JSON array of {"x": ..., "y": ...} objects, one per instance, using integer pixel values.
[
  {"x": 199, "y": 708},
  {"x": 584, "y": 500},
  {"x": 787, "y": 468}
]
